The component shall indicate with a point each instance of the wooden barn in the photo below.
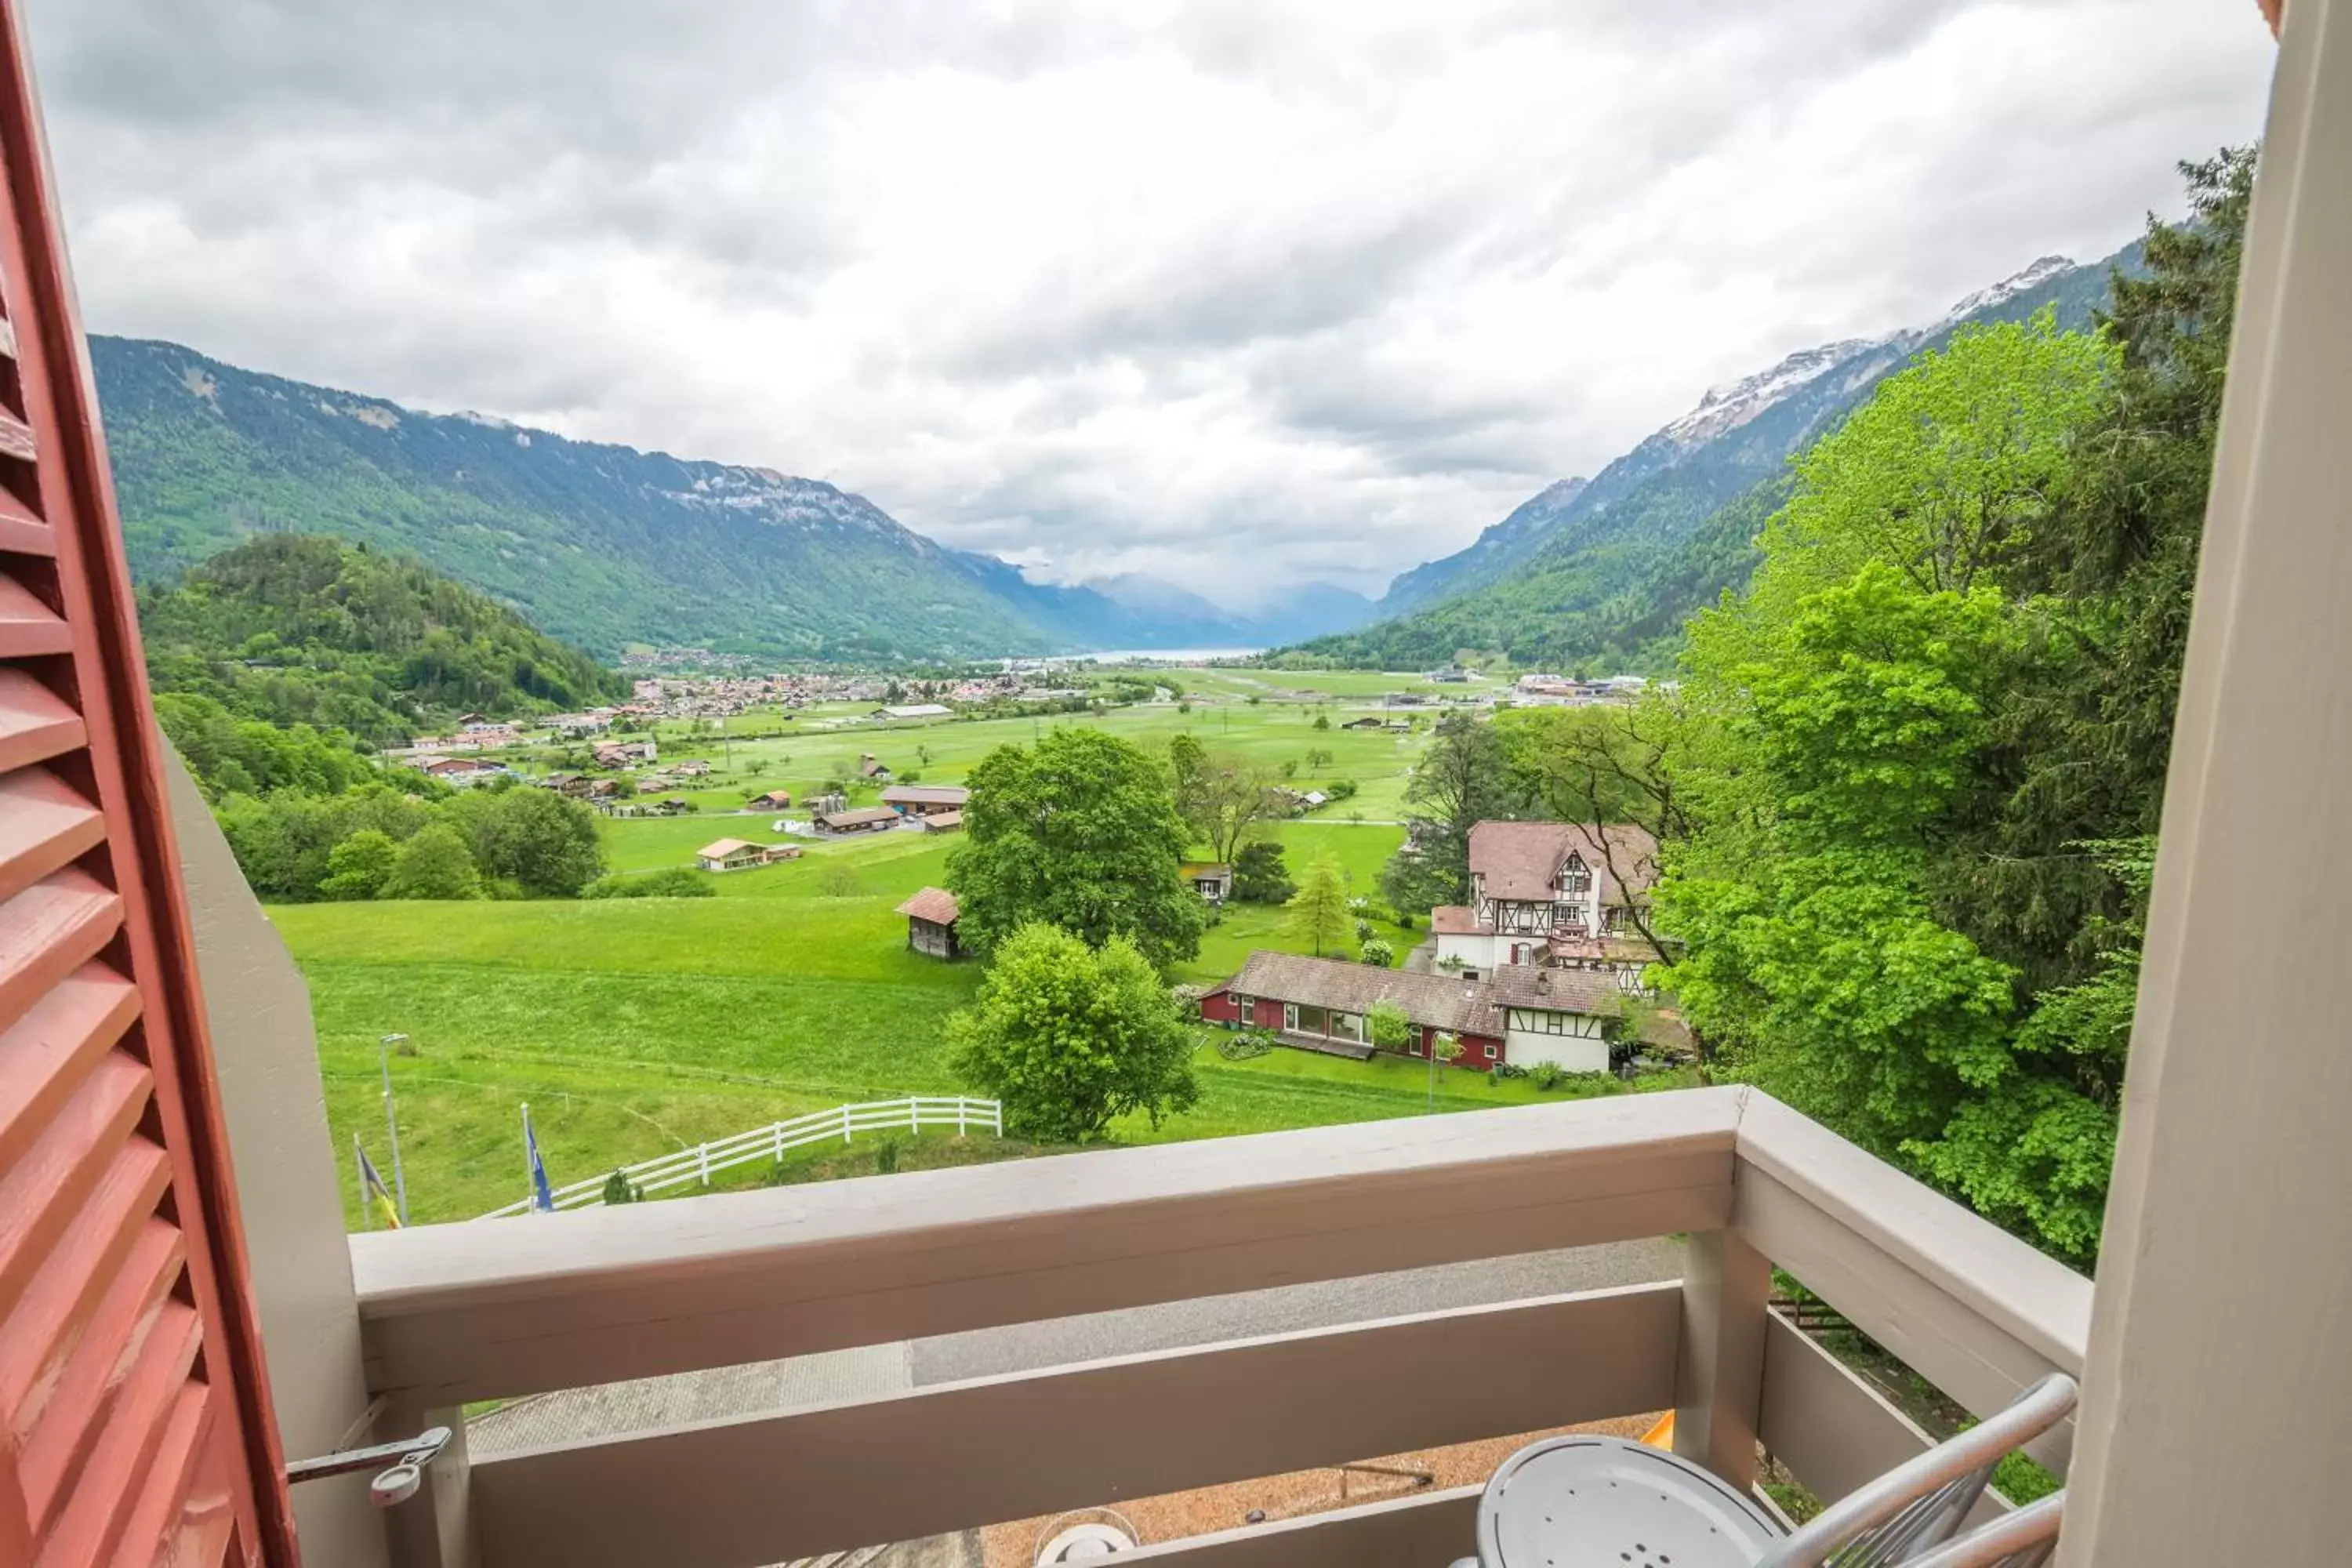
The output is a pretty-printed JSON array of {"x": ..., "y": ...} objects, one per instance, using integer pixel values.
[{"x": 931, "y": 917}]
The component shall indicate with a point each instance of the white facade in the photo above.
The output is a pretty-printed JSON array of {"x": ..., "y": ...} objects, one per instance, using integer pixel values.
[{"x": 1576, "y": 1046}]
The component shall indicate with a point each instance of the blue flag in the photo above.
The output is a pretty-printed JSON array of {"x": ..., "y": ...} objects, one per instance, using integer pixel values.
[{"x": 543, "y": 1196}]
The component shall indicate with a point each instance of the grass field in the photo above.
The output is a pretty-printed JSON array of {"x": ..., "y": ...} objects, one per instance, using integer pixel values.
[
  {"x": 635, "y": 1026},
  {"x": 826, "y": 742}
]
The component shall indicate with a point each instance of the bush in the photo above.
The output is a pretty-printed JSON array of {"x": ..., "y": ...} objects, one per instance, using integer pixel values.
[
  {"x": 885, "y": 1158},
  {"x": 1340, "y": 789},
  {"x": 619, "y": 1189},
  {"x": 434, "y": 864},
  {"x": 1363, "y": 929},
  {"x": 1502, "y": 1070},
  {"x": 840, "y": 880},
  {"x": 1378, "y": 952},
  {"x": 671, "y": 882},
  {"x": 1244, "y": 1045}
]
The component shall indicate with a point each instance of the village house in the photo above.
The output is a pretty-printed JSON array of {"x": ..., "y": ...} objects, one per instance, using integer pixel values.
[
  {"x": 692, "y": 768},
  {"x": 624, "y": 754},
  {"x": 1519, "y": 1017},
  {"x": 864, "y": 819},
  {"x": 931, "y": 917},
  {"x": 740, "y": 854},
  {"x": 455, "y": 770},
  {"x": 774, "y": 800},
  {"x": 1210, "y": 879},
  {"x": 1551, "y": 893},
  {"x": 870, "y": 766},
  {"x": 925, "y": 800}
]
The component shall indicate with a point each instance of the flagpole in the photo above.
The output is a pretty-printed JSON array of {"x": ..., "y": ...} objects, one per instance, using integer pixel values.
[
  {"x": 392, "y": 1122},
  {"x": 358, "y": 1169}
]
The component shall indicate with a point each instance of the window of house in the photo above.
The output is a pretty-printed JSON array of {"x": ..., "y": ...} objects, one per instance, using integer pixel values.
[
  {"x": 1413, "y": 1041},
  {"x": 1490, "y": 1053},
  {"x": 1346, "y": 1026},
  {"x": 1290, "y": 1016}
]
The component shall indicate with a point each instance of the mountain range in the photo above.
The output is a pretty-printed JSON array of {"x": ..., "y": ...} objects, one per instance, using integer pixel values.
[
  {"x": 1602, "y": 573},
  {"x": 601, "y": 545},
  {"x": 611, "y": 548}
]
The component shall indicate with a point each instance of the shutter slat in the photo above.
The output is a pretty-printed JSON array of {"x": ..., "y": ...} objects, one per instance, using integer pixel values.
[
  {"x": 36, "y": 723},
  {"x": 158, "y": 1529},
  {"x": 20, "y": 531},
  {"x": 28, "y": 626},
  {"x": 45, "y": 826},
  {"x": 53, "y": 1047},
  {"x": 89, "y": 1140},
  {"x": 48, "y": 931},
  {"x": 91, "y": 1519},
  {"x": 117, "y": 1261},
  {"x": 57, "y": 1445},
  {"x": 16, "y": 440}
]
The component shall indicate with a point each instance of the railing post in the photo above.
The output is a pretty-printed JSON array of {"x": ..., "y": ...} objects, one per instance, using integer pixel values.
[
  {"x": 779, "y": 1130},
  {"x": 702, "y": 1159},
  {"x": 1719, "y": 1362},
  {"x": 961, "y": 1104},
  {"x": 845, "y": 1124},
  {"x": 434, "y": 1529}
]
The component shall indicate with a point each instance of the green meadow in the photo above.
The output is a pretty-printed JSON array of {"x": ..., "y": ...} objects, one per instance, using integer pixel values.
[{"x": 633, "y": 1027}]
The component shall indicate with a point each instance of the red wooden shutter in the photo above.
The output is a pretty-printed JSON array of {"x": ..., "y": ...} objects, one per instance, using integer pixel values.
[{"x": 133, "y": 1406}]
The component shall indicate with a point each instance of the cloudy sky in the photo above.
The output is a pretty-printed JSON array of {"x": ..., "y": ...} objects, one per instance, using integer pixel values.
[{"x": 1238, "y": 292}]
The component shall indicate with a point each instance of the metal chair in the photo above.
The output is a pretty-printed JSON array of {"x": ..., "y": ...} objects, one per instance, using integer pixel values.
[{"x": 1606, "y": 1502}]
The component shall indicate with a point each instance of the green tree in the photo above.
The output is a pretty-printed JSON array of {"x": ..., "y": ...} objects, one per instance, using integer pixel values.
[
  {"x": 1317, "y": 914},
  {"x": 1220, "y": 797},
  {"x": 1259, "y": 875},
  {"x": 1389, "y": 1025},
  {"x": 1070, "y": 1036},
  {"x": 1079, "y": 831},
  {"x": 536, "y": 838},
  {"x": 434, "y": 864},
  {"x": 1458, "y": 785},
  {"x": 359, "y": 867}
]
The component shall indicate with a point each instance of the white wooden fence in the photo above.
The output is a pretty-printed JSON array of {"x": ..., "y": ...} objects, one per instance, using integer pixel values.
[{"x": 770, "y": 1142}]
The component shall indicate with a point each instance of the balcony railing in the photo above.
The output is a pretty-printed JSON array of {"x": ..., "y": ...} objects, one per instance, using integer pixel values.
[{"x": 463, "y": 1312}]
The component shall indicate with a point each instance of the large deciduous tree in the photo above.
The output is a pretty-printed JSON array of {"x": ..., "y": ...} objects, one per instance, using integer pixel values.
[
  {"x": 1079, "y": 831},
  {"x": 1221, "y": 797},
  {"x": 1070, "y": 1036}
]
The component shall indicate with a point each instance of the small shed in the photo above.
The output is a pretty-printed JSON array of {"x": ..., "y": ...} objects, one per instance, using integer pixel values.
[
  {"x": 775, "y": 800},
  {"x": 931, "y": 922},
  {"x": 943, "y": 822},
  {"x": 1366, "y": 722},
  {"x": 1211, "y": 880}
]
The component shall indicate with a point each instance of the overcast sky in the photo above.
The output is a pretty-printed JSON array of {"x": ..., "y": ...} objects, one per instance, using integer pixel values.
[{"x": 1236, "y": 293}]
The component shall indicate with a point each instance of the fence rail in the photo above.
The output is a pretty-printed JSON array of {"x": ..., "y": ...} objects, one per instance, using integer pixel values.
[{"x": 697, "y": 1164}]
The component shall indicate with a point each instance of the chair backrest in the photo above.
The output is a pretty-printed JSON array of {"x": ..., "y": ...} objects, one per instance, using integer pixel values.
[{"x": 1909, "y": 1513}]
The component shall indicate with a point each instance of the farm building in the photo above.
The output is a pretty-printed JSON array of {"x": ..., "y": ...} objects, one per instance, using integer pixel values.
[
  {"x": 1212, "y": 882},
  {"x": 1521, "y": 1016},
  {"x": 943, "y": 822},
  {"x": 931, "y": 922},
  {"x": 925, "y": 800},
  {"x": 775, "y": 800},
  {"x": 870, "y": 766},
  {"x": 1366, "y": 722},
  {"x": 864, "y": 819},
  {"x": 914, "y": 710},
  {"x": 740, "y": 854}
]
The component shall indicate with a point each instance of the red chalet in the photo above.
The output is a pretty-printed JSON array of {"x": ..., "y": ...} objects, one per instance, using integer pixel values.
[{"x": 1521, "y": 1015}]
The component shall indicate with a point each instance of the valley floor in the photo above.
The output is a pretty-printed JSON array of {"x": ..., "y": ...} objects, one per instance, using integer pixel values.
[{"x": 633, "y": 1027}]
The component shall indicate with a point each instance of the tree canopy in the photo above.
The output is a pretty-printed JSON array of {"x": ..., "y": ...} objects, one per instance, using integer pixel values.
[
  {"x": 1080, "y": 832},
  {"x": 1458, "y": 783},
  {"x": 1071, "y": 1037}
]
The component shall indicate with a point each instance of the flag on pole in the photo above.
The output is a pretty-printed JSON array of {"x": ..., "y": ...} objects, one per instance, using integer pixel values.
[
  {"x": 372, "y": 1188},
  {"x": 543, "y": 1196}
]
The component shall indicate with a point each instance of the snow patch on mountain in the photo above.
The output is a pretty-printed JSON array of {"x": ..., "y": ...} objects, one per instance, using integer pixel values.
[
  {"x": 2009, "y": 287},
  {"x": 1729, "y": 407}
]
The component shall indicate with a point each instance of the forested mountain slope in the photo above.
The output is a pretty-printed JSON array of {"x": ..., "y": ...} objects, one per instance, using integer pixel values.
[
  {"x": 1601, "y": 573},
  {"x": 300, "y": 629}
]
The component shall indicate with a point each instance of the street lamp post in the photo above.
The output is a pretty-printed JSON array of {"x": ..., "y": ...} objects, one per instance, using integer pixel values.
[{"x": 392, "y": 1124}]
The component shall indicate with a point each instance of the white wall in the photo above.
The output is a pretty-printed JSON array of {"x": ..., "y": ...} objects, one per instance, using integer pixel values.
[{"x": 1526, "y": 1047}]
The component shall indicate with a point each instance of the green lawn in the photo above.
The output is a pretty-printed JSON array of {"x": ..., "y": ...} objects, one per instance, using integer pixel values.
[{"x": 635, "y": 1026}]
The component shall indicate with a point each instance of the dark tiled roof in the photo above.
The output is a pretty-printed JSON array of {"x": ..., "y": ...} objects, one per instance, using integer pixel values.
[
  {"x": 936, "y": 905},
  {"x": 1518, "y": 859},
  {"x": 1441, "y": 1001},
  {"x": 1591, "y": 992}
]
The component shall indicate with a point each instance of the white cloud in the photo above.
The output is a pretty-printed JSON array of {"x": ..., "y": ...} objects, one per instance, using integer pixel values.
[{"x": 1232, "y": 293}]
